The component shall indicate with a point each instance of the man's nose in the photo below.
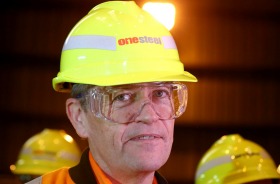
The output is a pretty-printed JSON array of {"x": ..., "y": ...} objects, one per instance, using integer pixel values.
[{"x": 147, "y": 114}]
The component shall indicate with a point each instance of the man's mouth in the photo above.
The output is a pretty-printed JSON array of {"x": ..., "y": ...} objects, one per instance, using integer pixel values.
[{"x": 146, "y": 137}]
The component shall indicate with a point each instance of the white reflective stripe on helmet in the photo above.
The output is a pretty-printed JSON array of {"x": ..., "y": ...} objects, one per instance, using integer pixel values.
[
  {"x": 90, "y": 42},
  {"x": 227, "y": 159},
  {"x": 169, "y": 42},
  {"x": 213, "y": 163},
  {"x": 105, "y": 42}
]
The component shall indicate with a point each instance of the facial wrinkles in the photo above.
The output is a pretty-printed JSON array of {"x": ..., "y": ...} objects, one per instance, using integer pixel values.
[
  {"x": 97, "y": 133},
  {"x": 119, "y": 156},
  {"x": 129, "y": 113},
  {"x": 146, "y": 99},
  {"x": 106, "y": 146},
  {"x": 161, "y": 129},
  {"x": 117, "y": 160},
  {"x": 147, "y": 154},
  {"x": 109, "y": 140}
]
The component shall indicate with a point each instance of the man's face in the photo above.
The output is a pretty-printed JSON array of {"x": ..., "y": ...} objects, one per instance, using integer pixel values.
[{"x": 142, "y": 145}]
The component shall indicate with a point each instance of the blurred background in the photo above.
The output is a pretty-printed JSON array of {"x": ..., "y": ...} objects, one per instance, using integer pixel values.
[{"x": 232, "y": 47}]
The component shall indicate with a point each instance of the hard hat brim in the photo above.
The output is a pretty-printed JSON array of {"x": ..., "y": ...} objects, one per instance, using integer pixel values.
[{"x": 131, "y": 78}]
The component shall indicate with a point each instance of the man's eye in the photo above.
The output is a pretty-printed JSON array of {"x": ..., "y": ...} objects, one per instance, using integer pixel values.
[
  {"x": 160, "y": 93},
  {"x": 122, "y": 97}
]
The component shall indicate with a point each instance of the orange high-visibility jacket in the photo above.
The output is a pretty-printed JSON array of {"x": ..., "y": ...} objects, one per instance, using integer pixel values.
[{"x": 80, "y": 174}]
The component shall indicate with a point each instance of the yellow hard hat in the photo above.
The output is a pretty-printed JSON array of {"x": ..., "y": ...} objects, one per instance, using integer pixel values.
[
  {"x": 119, "y": 43},
  {"x": 47, "y": 151},
  {"x": 233, "y": 159}
]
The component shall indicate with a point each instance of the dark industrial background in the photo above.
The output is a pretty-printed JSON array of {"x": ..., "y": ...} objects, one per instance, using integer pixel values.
[{"x": 231, "y": 46}]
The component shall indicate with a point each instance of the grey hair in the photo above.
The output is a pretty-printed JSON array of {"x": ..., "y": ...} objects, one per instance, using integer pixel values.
[{"x": 80, "y": 91}]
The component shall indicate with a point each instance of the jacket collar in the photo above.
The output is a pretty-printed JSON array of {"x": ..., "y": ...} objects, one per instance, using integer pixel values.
[{"x": 82, "y": 173}]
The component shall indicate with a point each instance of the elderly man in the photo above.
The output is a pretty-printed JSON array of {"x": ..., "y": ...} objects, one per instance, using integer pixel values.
[{"x": 127, "y": 85}]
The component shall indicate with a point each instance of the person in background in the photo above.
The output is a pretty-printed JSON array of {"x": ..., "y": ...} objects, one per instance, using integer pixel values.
[
  {"x": 235, "y": 160},
  {"x": 44, "y": 152},
  {"x": 127, "y": 87}
]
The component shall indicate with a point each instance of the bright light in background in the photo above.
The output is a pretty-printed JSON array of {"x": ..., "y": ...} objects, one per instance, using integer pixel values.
[
  {"x": 163, "y": 12},
  {"x": 68, "y": 138}
]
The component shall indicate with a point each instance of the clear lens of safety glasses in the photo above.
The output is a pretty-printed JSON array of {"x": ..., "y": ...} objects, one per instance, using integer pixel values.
[{"x": 122, "y": 104}]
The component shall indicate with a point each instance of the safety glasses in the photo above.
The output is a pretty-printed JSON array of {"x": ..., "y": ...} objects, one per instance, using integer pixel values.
[{"x": 124, "y": 103}]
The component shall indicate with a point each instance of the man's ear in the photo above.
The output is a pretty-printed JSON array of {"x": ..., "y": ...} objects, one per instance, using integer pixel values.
[{"x": 76, "y": 115}]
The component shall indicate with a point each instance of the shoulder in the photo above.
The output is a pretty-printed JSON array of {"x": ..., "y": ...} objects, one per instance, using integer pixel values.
[
  {"x": 55, "y": 177},
  {"x": 35, "y": 181},
  {"x": 160, "y": 178}
]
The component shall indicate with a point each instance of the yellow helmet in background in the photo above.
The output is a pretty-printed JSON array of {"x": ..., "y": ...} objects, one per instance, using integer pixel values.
[
  {"x": 233, "y": 159},
  {"x": 119, "y": 43},
  {"x": 46, "y": 151}
]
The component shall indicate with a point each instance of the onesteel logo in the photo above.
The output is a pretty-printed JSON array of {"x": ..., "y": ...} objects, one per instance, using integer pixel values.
[{"x": 142, "y": 39}]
